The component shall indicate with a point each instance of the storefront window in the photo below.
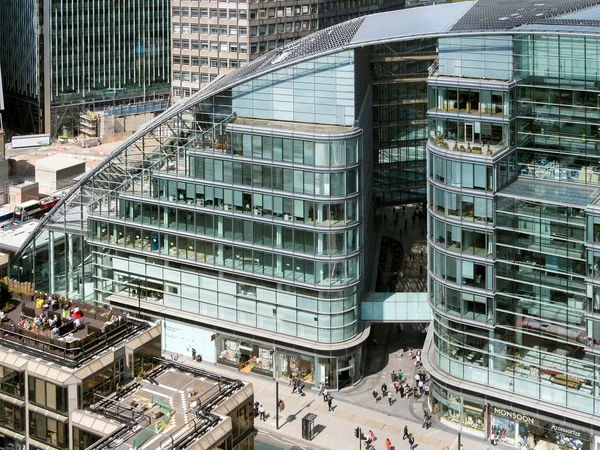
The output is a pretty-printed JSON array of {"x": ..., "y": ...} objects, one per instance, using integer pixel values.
[
  {"x": 294, "y": 365},
  {"x": 458, "y": 412},
  {"x": 246, "y": 356},
  {"x": 526, "y": 431}
]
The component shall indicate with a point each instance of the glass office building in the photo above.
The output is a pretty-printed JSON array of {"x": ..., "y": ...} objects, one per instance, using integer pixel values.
[{"x": 244, "y": 216}]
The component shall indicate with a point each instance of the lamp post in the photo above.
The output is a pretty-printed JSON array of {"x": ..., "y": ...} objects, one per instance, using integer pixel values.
[{"x": 276, "y": 388}]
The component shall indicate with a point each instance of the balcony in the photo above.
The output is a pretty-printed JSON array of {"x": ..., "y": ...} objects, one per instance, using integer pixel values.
[{"x": 458, "y": 146}]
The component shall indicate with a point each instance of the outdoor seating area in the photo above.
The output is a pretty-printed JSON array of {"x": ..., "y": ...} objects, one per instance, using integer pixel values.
[{"x": 59, "y": 327}]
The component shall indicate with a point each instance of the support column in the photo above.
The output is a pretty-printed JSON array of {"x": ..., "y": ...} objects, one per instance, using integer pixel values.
[
  {"x": 51, "y": 265},
  {"x": 70, "y": 276}
]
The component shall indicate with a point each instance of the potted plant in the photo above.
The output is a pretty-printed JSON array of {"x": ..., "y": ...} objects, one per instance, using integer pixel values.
[
  {"x": 468, "y": 147},
  {"x": 455, "y": 148}
]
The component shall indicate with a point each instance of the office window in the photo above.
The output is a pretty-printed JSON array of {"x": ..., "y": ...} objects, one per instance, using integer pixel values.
[
  {"x": 176, "y": 43},
  {"x": 223, "y": 30},
  {"x": 83, "y": 439},
  {"x": 223, "y": 64},
  {"x": 177, "y": 75},
  {"x": 176, "y": 12},
  {"x": 243, "y": 15},
  {"x": 195, "y": 61},
  {"x": 243, "y": 48},
  {"x": 214, "y": 14},
  {"x": 204, "y": 61},
  {"x": 195, "y": 29},
  {"x": 186, "y": 76},
  {"x": 176, "y": 59},
  {"x": 48, "y": 430},
  {"x": 223, "y": 14},
  {"x": 233, "y": 64},
  {"x": 176, "y": 28},
  {"x": 204, "y": 29},
  {"x": 243, "y": 31},
  {"x": 195, "y": 77},
  {"x": 186, "y": 44},
  {"x": 214, "y": 46},
  {"x": 12, "y": 382},
  {"x": 185, "y": 60},
  {"x": 47, "y": 394},
  {"x": 224, "y": 47},
  {"x": 214, "y": 63},
  {"x": 233, "y": 48},
  {"x": 204, "y": 45},
  {"x": 204, "y": 13},
  {"x": 195, "y": 44},
  {"x": 233, "y": 31},
  {"x": 185, "y": 12},
  {"x": 233, "y": 14},
  {"x": 214, "y": 30},
  {"x": 185, "y": 28}
]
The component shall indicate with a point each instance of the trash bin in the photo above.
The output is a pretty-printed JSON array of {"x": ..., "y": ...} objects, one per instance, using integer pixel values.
[{"x": 308, "y": 426}]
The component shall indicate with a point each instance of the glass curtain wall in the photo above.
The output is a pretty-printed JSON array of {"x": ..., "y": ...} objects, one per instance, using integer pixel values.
[{"x": 399, "y": 71}]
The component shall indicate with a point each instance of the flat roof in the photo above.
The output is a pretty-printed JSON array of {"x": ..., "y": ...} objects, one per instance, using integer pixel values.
[
  {"x": 560, "y": 194},
  {"x": 14, "y": 237},
  {"x": 190, "y": 393},
  {"x": 57, "y": 162},
  {"x": 100, "y": 328}
]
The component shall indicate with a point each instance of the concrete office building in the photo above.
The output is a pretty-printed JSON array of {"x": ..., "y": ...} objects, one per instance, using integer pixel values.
[
  {"x": 95, "y": 386},
  {"x": 61, "y": 59},
  {"x": 244, "y": 216},
  {"x": 212, "y": 38}
]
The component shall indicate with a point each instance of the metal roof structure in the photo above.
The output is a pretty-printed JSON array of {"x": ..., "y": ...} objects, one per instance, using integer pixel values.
[
  {"x": 413, "y": 22},
  {"x": 498, "y": 15}
]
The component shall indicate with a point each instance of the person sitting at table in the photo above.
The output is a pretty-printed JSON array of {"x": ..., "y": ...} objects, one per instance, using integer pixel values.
[
  {"x": 2, "y": 316},
  {"x": 39, "y": 302},
  {"x": 65, "y": 311},
  {"x": 77, "y": 323},
  {"x": 21, "y": 322},
  {"x": 53, "y": 305},
  {"x": 37, "y": 321},
  {"x": 55, "y": 331},
  {"x": 53, "y": 322}
]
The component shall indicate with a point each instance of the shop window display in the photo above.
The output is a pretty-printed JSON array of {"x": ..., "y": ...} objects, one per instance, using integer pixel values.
[
  {"x": 526, "y": 431},
  {"x": 246, "y": 356},
  {"x": 294, "y": 366}
]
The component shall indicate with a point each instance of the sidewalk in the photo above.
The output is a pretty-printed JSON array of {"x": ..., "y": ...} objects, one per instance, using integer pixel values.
[{"x": 335, "y": 429}]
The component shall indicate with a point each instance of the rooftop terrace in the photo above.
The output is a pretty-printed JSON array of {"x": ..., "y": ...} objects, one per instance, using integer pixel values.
[{"x": 81, "y": 331}]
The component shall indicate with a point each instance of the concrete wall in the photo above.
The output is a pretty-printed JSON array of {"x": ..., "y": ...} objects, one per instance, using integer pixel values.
[
  {"x": 116, "y": 128},
  {"x": 51, "y": 181}
]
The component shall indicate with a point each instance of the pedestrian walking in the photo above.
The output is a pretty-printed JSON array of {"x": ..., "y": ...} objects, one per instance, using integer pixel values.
[
  {"x": 493, "y": 439},
  {"x": 411, "y": 442},
  {"x": 375, "y": 395},
  {"x": 321, "y": 388},
  {"x": 384, "y": 389},
  {"x": 421, "y": 384},
  {"x": 388, "y": 444},
  {"x": 372, "y": 435},
  {"x": 406, "y": 435},
  {"x": 462, "y": 447},
  {"x": 401, "y": 391},
  {"x": 261, "y": 411},
  {"x": 325, "y": 394},
  {"x": 397, "y": 386},
  {"x": 390, "y": 398},
  {"x": 329, "y": 400},
  {"x": 256, "y": 405}
]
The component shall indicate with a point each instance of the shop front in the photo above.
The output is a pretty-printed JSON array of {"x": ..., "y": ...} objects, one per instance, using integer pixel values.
[
  {"x": 526, "y": 431},
  {"x": 252, "y": 356},
  {"x": 244, "y": 355},
  {"x": 459, "y": 411}
]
